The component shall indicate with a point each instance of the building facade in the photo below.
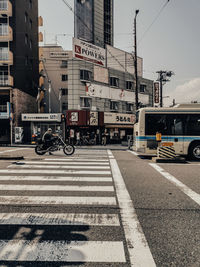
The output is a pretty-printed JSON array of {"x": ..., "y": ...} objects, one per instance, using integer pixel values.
[
  {"x": 94, "y": 21},
  {"x": 19, "y": 73},
  {"x": 94, "y": 96}
]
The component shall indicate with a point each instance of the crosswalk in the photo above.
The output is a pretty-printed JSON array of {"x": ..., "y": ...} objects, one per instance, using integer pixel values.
[{"x": 63, "y": 210}]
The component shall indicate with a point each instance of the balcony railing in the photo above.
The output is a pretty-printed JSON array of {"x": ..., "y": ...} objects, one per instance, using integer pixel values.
[
  {"x": 3, "y": 108},
  {"x": 6, "y": 33},
  {"x": 6, "y": 58},
  {"x": 5, "y": 8},
  {"x": 6, "y": 81}
]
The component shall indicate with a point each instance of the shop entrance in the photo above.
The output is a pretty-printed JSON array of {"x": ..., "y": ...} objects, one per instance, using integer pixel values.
[{"x": 4, "y": 131}]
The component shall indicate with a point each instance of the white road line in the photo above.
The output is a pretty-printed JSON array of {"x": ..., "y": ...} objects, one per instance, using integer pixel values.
[
  {"x": 77, "y": 159},
  {"x": 61, "y": 251},
  {"x": 59, "y": 167},
  {"x": 56, "y": 178},
  {"x": 134, "y": 153},
  {"x": 16, "y": 171},
  {"x": 190, "y": 193},
  {"x": 11, "y": 187},
  {"x": 59, "y": 219},
  {"x": 54, "y": 200},
  {"x": 13, "y": 150},
  {"x": 65, "y": 163},
  {"x": 138, "y": 248}
]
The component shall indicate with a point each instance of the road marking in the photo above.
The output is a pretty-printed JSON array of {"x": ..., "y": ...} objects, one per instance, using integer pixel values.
[
  {"x": 64, "y": 163},
  {"x": 59, "y": 167},
  {"x": 190, "y": 193},
  {"x": 11, "y": 187},
  {"x": 57, "y": 178},
  {"x": 61, "y": 251},
  {"x": 13, "y": 150},
  {"x": 55, "y": 200},
  {"x": 77, "y": 159},
  {"x": 56, "y": 172},
  {"x": 138, "y": 248},
  {"x": 134, "y": 153},
  {"x": 59, "y": 219}
]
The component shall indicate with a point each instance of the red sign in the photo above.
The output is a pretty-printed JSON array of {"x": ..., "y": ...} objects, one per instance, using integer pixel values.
[{"x": 156, "y": 93}]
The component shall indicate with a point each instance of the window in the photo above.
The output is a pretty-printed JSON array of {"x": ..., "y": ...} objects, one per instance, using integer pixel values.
[
  {"x": 86, "y": 102},
  {"x": 64, "y": 77},
  {"x": 129, "y": 107},
  {"x": 143, "y": 88},
  {"x": 4, "y": 53},
  {"x": 31, "y": 44},
  {"x": 26, "y": 17},
  {"x": 3, "y": 29},
  {"x": 30, "y": 4},
  {"x": 114, "y": 81},
  {"x": 26, "y": 39},
  {"x": 193, "y": 124},
  {"x": 85, "y": 75},
  {"x": 64, "y": 91},
  {"x": 3, "y": 4},
  {"x": 129, "y": 85},
  {"x": 113, "y": 105},
  {"x": 26, "y": 60},
  {"x": 64, "y": 106},
  {"x": 4, "y": 78},
  {"x": 30, "y": 24},
  {"x": 63, "y": 64}
]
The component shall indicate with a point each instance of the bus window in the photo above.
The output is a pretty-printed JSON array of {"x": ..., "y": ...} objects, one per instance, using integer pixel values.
[
  {"x": 193, "y": 125},
  {"x": 156, "y": 123}
]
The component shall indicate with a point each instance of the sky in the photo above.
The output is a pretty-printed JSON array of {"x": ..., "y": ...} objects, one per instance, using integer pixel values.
[{"x": 168, "y": 38}]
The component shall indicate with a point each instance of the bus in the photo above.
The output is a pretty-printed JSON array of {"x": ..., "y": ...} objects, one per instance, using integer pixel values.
[{"x": 179, "y": 125}]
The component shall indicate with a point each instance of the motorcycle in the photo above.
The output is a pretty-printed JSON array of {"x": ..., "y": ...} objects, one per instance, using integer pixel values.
[{"x": 57, "y": 144}]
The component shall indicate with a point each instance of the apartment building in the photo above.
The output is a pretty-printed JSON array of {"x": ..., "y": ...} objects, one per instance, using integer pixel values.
[
  {"x": 19, "y": 73},
  {"x": 94, "y": 21}
]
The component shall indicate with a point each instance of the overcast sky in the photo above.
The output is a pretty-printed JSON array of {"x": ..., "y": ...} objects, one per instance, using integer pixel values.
[{"x": 168, "y": 34}]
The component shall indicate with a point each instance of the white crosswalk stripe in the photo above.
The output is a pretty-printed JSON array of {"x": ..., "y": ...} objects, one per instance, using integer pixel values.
[{"x": 28, "y": 190}]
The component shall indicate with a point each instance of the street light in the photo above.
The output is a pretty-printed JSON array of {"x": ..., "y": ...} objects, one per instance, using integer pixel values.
[{"x": 135, "y": 62}]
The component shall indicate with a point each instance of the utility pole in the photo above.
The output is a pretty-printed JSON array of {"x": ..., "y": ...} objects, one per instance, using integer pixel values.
[
  {"x": 135, "y": 61},
  {"x": 49, "y": 81},
  {"x": 163, "y": 78}
]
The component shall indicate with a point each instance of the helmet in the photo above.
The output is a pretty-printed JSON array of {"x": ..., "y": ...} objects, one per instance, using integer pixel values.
[{"x": 49, "y": 130}]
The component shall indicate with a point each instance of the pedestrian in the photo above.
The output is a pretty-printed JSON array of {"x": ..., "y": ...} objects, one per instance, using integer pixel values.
[
  {"x": 104, "y": 138},
  {"x": 78, "y": 139}
]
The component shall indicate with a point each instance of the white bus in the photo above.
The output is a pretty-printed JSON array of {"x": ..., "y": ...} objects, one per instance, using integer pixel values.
[{"x": 180, "y": 125}]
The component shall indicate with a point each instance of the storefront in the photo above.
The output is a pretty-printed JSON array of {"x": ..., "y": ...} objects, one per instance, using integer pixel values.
[
  {"x": 118, "y": 126},
  {"x": 4, "y": 128},
  {"x": 84, "y": 123},
  {"x": 36, "y": 124}
]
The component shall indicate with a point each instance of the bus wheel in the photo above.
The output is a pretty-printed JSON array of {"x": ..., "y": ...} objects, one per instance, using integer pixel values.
[{"x": 194, "y": 151}]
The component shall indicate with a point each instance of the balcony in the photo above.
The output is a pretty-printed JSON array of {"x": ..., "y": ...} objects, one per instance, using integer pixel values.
[
  {"x": 5, "y": 8},
  {"x": 6, "y": 58},
  {"x": 6, "y": 81},
  {"x": 6, "y": 33}
]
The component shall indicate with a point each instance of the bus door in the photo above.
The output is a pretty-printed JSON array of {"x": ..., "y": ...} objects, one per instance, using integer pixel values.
[{"x": 176, "y": 131}]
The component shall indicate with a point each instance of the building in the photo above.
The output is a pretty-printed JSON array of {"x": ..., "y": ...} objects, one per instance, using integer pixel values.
[
  {"x": 94, "y": 21},
  {"x": 94, "y": 95},
  {"x": 19, "y": 73}
]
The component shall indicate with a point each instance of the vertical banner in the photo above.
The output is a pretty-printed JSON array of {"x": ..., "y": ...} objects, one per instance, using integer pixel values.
[{"x": 156, "y": 93}]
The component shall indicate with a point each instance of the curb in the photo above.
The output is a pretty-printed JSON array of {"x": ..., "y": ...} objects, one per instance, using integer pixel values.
[{"x": 169, "y": 160}]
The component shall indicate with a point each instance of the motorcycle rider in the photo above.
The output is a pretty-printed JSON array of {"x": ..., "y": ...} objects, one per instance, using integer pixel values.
[{"x": 48, "y": 138}]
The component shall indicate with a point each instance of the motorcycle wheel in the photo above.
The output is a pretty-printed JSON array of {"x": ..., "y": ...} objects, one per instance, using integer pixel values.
[
  {"x": 38, "y": 151},
  {"x": 68, "y": 150}
]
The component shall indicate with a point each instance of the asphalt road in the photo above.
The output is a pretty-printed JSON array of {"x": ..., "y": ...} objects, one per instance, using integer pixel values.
[{"x": 98, "y": 208}]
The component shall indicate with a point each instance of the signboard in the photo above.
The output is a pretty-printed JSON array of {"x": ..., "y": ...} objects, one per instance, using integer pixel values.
[
  {"x": 93, "y": 118},
  {"x": 156, "y": 93},
  {"x": 42, "y": 117},
  {"x": 74, "y": 116},
  {"x": 89, "y": 52},
  {"x": 96, "y": 90},
  {"x": 118, "y": 118}
]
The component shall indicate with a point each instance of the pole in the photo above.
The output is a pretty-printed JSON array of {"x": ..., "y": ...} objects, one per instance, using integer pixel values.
[
  {"x": 135, "y": 62},
  {"x": 161, "y": 90},
  {"x": 49, "y": 96}
]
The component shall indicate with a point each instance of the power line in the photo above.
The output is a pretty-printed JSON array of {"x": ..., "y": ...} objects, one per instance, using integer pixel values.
[{"x": 157, "y": 16}]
